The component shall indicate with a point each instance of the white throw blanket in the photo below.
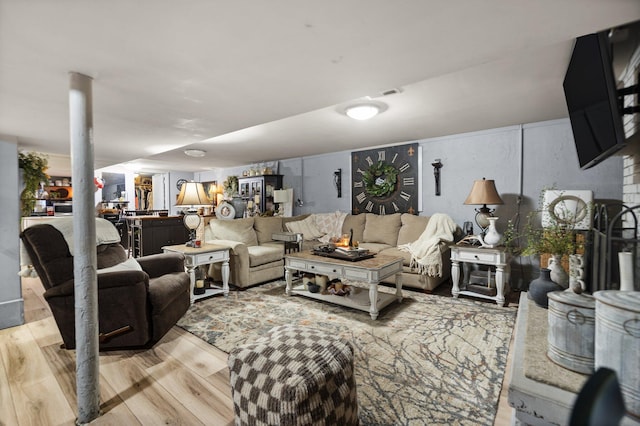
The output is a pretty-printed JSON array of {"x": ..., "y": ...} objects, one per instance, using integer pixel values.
[
  {"x": 106, "y": 233},
  {"x": 425, "y": 251}
]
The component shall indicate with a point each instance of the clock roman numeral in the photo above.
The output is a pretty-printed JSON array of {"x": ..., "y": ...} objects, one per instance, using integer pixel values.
[
  {"x": 381, "y": 155},
  {"x": 382, "y": 209},
  {"x": 395, "y": 206},
  {"x": 395, "y": 156},
  {"x": 369, "y": 160},
  {"x": 407, "y": 181},
  {"x": 359, "y": 170},
  {"x": 369, "y": 206},
  {"x": 404, "y": 167},
  {"x": 361, "y": 197},
  {"x": 405, "y": 196},
  {"x": 358, "y": 184}
]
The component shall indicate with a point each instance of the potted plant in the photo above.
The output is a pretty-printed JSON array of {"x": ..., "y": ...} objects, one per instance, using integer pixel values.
[
  {"x": 34, "y": 170},
  {"x": 556, "y": 238}
]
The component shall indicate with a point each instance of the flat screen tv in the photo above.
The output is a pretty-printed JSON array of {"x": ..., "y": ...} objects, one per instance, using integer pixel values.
[{"x": 592, "y": 100}]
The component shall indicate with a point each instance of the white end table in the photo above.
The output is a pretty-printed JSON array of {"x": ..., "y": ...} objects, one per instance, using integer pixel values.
[
  {"x": 496, "y": 257},
  {"x": 204, "y": 255}
]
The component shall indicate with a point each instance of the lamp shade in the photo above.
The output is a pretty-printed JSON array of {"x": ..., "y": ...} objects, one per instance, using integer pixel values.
[
  {"x": 280, "y": 196},
  {"x": 193, "y": 194},
  {"x": 484, "y": 192}
]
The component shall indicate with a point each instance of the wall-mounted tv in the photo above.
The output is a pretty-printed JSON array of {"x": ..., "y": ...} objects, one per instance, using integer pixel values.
[{"x": 592, "y": 100}]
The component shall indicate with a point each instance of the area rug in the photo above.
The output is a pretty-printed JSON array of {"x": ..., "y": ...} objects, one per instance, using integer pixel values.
[{"x": 428, "y": 360}]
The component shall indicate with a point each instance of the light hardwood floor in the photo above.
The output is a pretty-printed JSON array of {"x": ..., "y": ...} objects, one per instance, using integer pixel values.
[{"x": 181, "y": 380}]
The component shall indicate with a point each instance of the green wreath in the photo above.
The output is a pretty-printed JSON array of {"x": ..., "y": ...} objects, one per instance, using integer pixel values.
[{"x": 380, "y": 179}]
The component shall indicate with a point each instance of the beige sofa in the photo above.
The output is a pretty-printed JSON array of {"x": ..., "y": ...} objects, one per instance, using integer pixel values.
[{"x": 257, "y": 258}]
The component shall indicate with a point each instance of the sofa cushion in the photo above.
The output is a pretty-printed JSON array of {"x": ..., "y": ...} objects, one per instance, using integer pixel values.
[
  {"x": 260, "y": 255},
  {"x": 307, "y": 227},
  {"x": 267, "y": 226},
  {"x": 286, "y": 220},
  {"x": 234, "y": 230},
  {"x": 110, "y": 255},
  {"x": 412, "y": 227},
  {"x": 355, "y": 222},
  {"x": 374, "y": 247},
  {"x": 382, "y": 229},
  {"x": 396, "y": 252}
]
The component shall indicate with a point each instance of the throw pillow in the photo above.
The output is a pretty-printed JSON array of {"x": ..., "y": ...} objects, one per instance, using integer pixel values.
[
  {"x": 234, "y": 230},
  {"x": 267, "y": 226},
  {"x": 128, "y": 265},
  {"x": 306, "y": 227},
  {"x": 412, "y": 227},
  {"x": 355, "y": 222},
  {"x": 330, "y": 224},
  {"x": 382, "y": 229}
]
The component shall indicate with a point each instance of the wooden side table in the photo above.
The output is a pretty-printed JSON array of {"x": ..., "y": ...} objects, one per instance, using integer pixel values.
[
  {"x": 204, "y": 255},
  {"x": 495, "y": 257}
]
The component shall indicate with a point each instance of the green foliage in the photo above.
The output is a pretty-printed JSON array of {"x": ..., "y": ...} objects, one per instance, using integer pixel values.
[
  {"x": 34, "y": 170},
  {"x": 380, "y": 179},
  {"x": 511, "y": 239},
  {"x": 557, "y": 238}
]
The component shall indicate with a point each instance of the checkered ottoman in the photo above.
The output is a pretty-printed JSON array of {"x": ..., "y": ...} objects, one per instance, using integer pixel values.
[{"x": 294, "y": 376}]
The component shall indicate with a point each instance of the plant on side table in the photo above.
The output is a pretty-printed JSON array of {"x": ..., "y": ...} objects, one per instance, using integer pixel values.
[
  {"x": 556, "y": 238},
  {"x": 34, "y": 170}
]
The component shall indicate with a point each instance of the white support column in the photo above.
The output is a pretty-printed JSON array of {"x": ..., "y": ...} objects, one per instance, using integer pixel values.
[{"x": 84, "y": 240}]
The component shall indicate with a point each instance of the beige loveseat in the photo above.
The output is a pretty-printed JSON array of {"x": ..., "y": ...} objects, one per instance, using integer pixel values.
[{"x": 257, "y": 258}]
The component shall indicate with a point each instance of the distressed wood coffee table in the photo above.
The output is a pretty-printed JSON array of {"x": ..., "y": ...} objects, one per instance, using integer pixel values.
[{"x": 370, "y": 271}]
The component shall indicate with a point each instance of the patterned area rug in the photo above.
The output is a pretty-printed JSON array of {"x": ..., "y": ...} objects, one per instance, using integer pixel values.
[{"x": 428, "y": 360}]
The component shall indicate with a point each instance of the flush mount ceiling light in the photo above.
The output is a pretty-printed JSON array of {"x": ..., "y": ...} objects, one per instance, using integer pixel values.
[
  {"x": 194, "y": 152},
  {"x": 365, "y": 110}
]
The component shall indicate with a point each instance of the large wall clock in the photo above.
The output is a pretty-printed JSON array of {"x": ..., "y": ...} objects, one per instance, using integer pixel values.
[{"x": 385, "y": 180}]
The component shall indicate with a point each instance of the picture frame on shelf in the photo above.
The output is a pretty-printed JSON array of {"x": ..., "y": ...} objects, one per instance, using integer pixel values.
[{"x": 211, "y": 189}]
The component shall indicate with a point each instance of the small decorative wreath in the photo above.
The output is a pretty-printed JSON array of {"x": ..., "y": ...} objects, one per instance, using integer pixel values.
[{"x": 380, "y": 179}]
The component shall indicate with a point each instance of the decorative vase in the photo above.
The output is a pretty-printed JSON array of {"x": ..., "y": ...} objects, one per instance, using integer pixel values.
[
  {"x": 558, "y": 274},
  {"x": 542, "y": 285},
  {"x": 239, "y": 205},
  {"x": 492, "y": 237}
]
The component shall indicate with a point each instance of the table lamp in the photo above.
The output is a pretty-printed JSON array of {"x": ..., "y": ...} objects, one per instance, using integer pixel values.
[
  {"x": 280, "y": 196},
  {"x": 192, "y": 194},
  {"x": 482, "y": 193}
]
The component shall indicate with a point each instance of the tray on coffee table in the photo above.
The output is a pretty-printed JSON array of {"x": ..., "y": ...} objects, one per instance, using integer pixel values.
[{"x": 344, "y": 256}]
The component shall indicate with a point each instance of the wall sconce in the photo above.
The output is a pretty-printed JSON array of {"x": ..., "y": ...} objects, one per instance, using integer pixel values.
[
  {"x": 337, "y": 181},
  {"x": 437, "y": 165}
]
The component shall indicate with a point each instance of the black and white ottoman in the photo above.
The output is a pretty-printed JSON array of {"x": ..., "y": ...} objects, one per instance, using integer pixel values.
[{"x": 294, "y": 376}]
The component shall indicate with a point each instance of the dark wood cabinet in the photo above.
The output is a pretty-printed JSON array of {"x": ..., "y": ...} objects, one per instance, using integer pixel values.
[
  {"x": 261, "y": 187},
  {"x": 148, "y": 234}
]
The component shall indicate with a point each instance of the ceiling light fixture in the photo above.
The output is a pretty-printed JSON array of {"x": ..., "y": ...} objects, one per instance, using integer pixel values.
[
  {"x": 365, "y": 110},
  {"x": 194, "y": 152}
]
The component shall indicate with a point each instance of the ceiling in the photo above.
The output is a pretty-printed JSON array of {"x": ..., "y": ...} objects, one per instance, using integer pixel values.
[{"x": 251, "y": 81}]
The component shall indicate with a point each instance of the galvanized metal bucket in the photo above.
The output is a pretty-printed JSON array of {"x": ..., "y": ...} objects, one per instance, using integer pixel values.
[
  {"x": 618, "y": 341},
  {"x": 571, "y": 330}
]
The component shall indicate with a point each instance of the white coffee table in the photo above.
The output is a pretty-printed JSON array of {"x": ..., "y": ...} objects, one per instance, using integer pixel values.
[{"x": 370, "y": 271}]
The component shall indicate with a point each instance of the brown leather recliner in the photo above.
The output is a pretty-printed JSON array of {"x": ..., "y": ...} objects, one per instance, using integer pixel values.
[{"x": 135, "y": 308}]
